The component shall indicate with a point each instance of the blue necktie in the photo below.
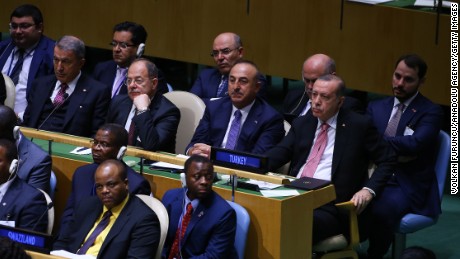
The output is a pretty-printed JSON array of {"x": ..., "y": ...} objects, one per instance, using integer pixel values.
[
  {"x": 97, "y": 231},
  {"x": 17, "y": 67},
  {"x": 232, "y": 137},
  {"x": 392, "y": 126},
  {"x": 223, "y": 86}
]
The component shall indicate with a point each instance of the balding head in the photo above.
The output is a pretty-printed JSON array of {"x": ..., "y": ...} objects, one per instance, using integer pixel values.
[
  {"x": 227, "y": 49},
  {"x": 314, "y": 67}
]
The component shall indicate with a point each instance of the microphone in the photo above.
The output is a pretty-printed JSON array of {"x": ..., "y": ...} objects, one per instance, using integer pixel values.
[
  {"x": 48, "y": 207},
  {"x": 66, "y": 96}
]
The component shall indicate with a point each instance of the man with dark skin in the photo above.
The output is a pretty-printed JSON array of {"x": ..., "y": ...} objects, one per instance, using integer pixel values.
[{"x": 213, "y": 222}]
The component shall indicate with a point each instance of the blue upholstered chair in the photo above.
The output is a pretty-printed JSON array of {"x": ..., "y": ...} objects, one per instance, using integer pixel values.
[
  {"x": 242, "y": 226},
  {"x": 411, "y": 223}
]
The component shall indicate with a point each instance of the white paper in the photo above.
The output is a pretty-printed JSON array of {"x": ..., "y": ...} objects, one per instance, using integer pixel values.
[
  {"x": 81, "y": 151},
  {"x": 264, "y": 185},
  {"x": 167, "y": 165},
  {"x": 10, "y": 223},
  {"x": 408, "y": 131},
  {"x": 66, "y": 254},
  {"x": 372, "y": 2},
  {"x": 279, "y": 193},
  {"x": 430, "y": 3}
]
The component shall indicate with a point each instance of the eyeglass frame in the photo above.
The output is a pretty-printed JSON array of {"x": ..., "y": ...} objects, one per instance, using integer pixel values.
[
  {"x": 103, "y": 145},
  {"x": 122, "y": 45},
  {"x": 20, "y": 26},
  {"x": 225, "y": 52},
  {"x": 137, "y": 81}
]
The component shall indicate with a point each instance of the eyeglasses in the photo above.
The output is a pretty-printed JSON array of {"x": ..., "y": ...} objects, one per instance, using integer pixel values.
[
  {"x": 137, "y": 81},
  {"x": 309, "y": 81},
  {"x": 96, "y": 143},
  {"x": 122, "y": 45},
  {"x": 226, "y": 51},
  {"x": 21, "y": 26}
]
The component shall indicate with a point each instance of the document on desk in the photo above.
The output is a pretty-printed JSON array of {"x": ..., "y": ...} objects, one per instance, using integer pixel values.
[
  {"x": 167, "y": 165},
  {"x": 430, "y": 3},
  {"x": 264, "y": 185},
  {"x": 81, "y": 151},
  {"x": 66, "y": 254},
  {"x": 279, "y": 193},
  {"x": 372, "y": 2}
]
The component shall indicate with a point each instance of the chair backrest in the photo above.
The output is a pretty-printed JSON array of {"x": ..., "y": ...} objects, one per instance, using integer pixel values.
[
  {"x": 442, "y": 160},
  {"x": 53, "y": 183},
  {"x": 242, "y": 226},
  {"x": 10, "y": 92},
  {"x": 191, "y": 110},
  {"x": 50, "y": 212},
  {"x": 162, "y": 215}
]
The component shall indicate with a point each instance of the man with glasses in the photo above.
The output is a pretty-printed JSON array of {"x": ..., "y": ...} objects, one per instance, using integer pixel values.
[
  {"x": 227, "y": 49},
  {"x": 150, "y": 119},
  {"x": 109, "y": 140},
  {"x": 297, "y": 101},
  {"x": 128, "y": 43},
  {"x": 68, "y": 101},
  {"x": 28, "y": 54}
]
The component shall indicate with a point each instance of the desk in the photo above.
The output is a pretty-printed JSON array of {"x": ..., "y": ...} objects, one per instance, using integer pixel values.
[
  {"x": 36, "y": 255},
  {"x": 279, "y": 227}
]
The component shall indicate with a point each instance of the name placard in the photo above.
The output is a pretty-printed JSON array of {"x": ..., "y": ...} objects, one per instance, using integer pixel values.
[
  {"x": 239, "y": 160},
  {"x": 30, "y": 240}
]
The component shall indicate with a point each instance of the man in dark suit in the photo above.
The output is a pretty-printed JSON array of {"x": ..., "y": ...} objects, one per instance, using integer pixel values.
[
  {"x": 28, "y": 211},
  {"x": 114, "y": 224},
  {"x": 212, "y": 83},
  {"x": 69, "y": 101},
  {"x": 150, "y": 119},
  {"x": 413, "y": 187},
  {"x": 109, "y": 142},
  {"x": 297, "y": 101},
  {"x": 259, "y": 126},
  {"x": 207, "y": 222},
  {"x": 34, "y": 165},
  {"x": 31, "y": 48},
  {"x": 351, "y": 142},
  {"x": 128, "y": 43}
]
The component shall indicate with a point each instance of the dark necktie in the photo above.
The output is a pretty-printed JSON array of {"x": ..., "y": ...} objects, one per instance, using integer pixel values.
[
  {"x": 17, "y": 67},
  {"x": 316, "y": 152},
  {"x": 392, "y": 126},
  {"x": 97, "y": 231},
  {"x": 174, "y": 253},
  {"x": 59, "y": 99},
  {"x": 223, "y": 86},
  {"x": 232, "y": 137},
  {"x": 132, "y": 129}
]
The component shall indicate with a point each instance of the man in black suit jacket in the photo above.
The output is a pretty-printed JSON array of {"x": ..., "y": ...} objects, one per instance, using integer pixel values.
[
  {"x": 69, "y": 101},
  {"x": 352, "y": 141},
  {"x": 133, "y": 230},
  {"x": 297, "y": 101},
  {"x": 128, "y": 43},
  {"x": 109, "y": 142},
  {"x": 150, "y": 119}
]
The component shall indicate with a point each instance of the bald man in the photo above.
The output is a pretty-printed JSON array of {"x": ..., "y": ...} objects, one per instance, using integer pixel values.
[
  {"x": 212, "y": 83},
  {"x": 297, "y": 101}
]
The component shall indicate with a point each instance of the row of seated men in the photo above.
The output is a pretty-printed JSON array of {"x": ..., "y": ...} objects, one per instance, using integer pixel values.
[
  {"x": 327, "y": 140},
  {"x": 105, "y": 219}
]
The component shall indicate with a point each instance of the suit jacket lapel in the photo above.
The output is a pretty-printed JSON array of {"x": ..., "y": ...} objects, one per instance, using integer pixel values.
[
  {"x": 41, "y": 98},
  {"x": 198, "y": 214},
  {"x": 305, "y": 140},
  {"x": 249, "y": 125},
  {"x": 88, "y": 223},
  {"x": 8, "y": 200},
  {"x": 407, "y": 116},
  {"x": 341, "y": 138},
  {"x": 76, "y": 99},
  {"x": 222, "y": 122},
  {"x": 8, "y": 49}
]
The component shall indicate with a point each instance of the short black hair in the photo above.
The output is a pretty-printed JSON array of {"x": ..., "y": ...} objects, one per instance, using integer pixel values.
[
  {"x": 417, "y": 252},
  {"x": 137, "y": 30},
  {"x": 120, "y": 133},
  {"x": 120, "y": 165},
  {"x": 11, "y": 150},
  {"x": 8, "y": 120},
  {"x": 197, "y": 159},
  {"x": 415, "y": 62},
  {"x": 28, "y": 10}
]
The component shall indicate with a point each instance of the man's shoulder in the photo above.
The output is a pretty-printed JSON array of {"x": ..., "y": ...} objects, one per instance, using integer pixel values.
[
  {"x": 27, "y": 190},
  {"x": 89, "y": 81},
  {"x": 267, "y": 109},
  {"x": 85, "y": 171},
  {"x": 208, "y": 72},
  {"x": 104, "y": 65},
  {"x": 215, "y": 202},
  {"x": 46, "y": 43}
]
